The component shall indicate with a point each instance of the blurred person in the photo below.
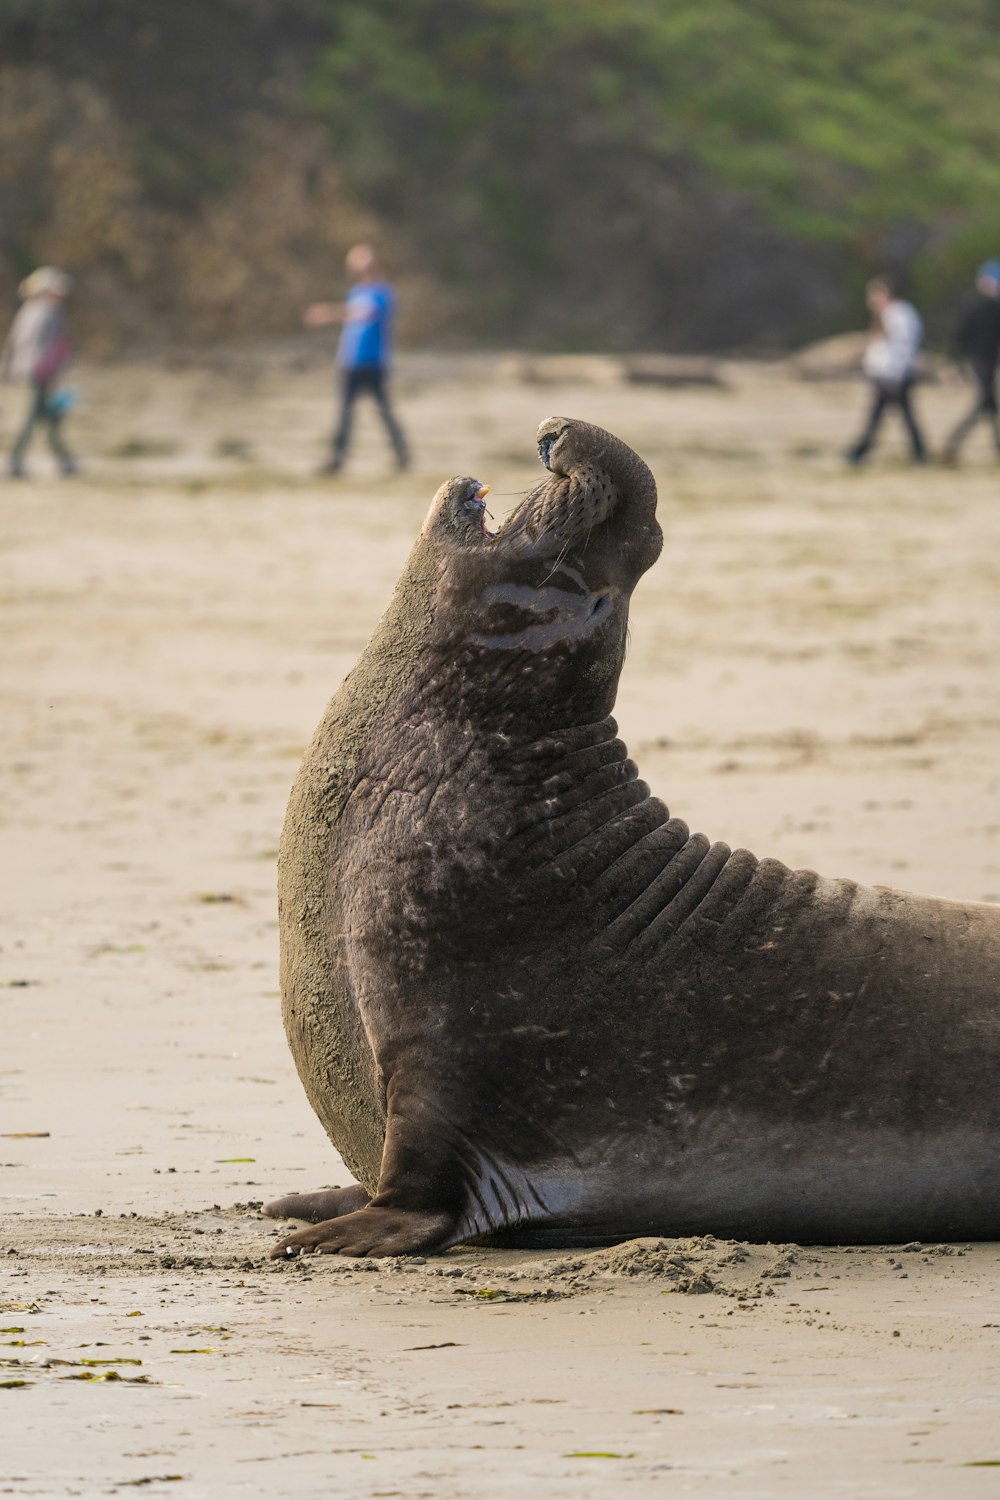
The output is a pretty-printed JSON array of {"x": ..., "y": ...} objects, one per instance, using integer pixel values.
[
  {"x": 977, "y": 346},
  {"x": 365, "y": 351},
  {"x": 890, "y": 362},
  {"x": 35, "y": 354}
]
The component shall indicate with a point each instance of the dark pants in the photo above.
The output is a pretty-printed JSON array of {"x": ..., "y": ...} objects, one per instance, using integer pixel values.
[
  {"x": 886, "y": 394},
  {"x": 985, "y": 405},
  {"x": 39, "y": 410},
  {"x": 370, "y": 378}
]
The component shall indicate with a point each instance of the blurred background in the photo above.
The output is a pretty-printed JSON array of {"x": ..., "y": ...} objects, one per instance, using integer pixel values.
[{"x": 699, "y": 175}]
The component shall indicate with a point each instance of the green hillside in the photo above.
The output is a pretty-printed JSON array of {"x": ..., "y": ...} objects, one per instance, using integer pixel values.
[{"x": 567, "y": 172}]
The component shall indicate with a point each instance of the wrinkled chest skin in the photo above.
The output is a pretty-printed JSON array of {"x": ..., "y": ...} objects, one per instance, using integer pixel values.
[{"x": 525, "y": 1001}]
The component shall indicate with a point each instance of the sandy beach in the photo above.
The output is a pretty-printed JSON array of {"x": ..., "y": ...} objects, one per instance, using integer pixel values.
[{"x": 812, "y": 674}]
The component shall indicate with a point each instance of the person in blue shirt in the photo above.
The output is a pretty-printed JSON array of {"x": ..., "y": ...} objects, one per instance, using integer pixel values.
[{"x": 365, "y": 351}]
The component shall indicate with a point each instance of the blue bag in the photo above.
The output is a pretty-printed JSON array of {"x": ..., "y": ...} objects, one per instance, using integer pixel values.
[{"x": 62, "y": 400}]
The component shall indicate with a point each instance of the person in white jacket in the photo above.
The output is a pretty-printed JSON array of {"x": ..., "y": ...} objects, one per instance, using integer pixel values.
[{"x": 890, "y": 362}]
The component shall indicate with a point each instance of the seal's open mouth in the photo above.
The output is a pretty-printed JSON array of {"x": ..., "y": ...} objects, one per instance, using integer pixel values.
[
  {"x": 591, "y": 479},
  {"x": 477, "y": 504}
]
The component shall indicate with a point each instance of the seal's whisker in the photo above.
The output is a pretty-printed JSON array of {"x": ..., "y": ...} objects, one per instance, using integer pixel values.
[{"x": 560, "y": 559}]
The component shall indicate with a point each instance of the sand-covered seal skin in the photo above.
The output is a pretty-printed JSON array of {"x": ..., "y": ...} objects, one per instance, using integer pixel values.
[{"x": 525, "y": 1001}]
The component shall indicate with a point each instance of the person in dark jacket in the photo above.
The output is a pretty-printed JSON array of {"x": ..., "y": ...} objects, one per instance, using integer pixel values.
[{"x": 977, "y": 346}]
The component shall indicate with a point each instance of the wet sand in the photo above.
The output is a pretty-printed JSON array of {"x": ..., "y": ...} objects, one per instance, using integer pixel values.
[{"x": 812, "y": 674}]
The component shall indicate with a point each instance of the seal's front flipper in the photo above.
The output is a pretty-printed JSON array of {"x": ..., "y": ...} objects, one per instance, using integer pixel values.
[
  {"x": 371, "y": 1231},
  {"x": 421, "y": 1193},
  {"x": 330, "y": 1203}
]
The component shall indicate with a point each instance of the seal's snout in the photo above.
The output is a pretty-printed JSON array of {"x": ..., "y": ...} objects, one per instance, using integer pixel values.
[{"x": 593, "y": 480}]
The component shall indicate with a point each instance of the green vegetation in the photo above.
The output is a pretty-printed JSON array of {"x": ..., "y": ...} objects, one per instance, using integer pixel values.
[
  {"x": 874, "y": 129},
  {"x": 736, "y": 167}
]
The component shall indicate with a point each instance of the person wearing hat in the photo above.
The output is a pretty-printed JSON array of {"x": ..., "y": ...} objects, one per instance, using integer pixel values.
[
  {"x": 977, "y": 345},
  {"x": 36, "y": 353}
]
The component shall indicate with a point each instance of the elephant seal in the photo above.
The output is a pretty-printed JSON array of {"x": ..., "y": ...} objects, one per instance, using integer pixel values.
[{"x": 526, "y": 1002}]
